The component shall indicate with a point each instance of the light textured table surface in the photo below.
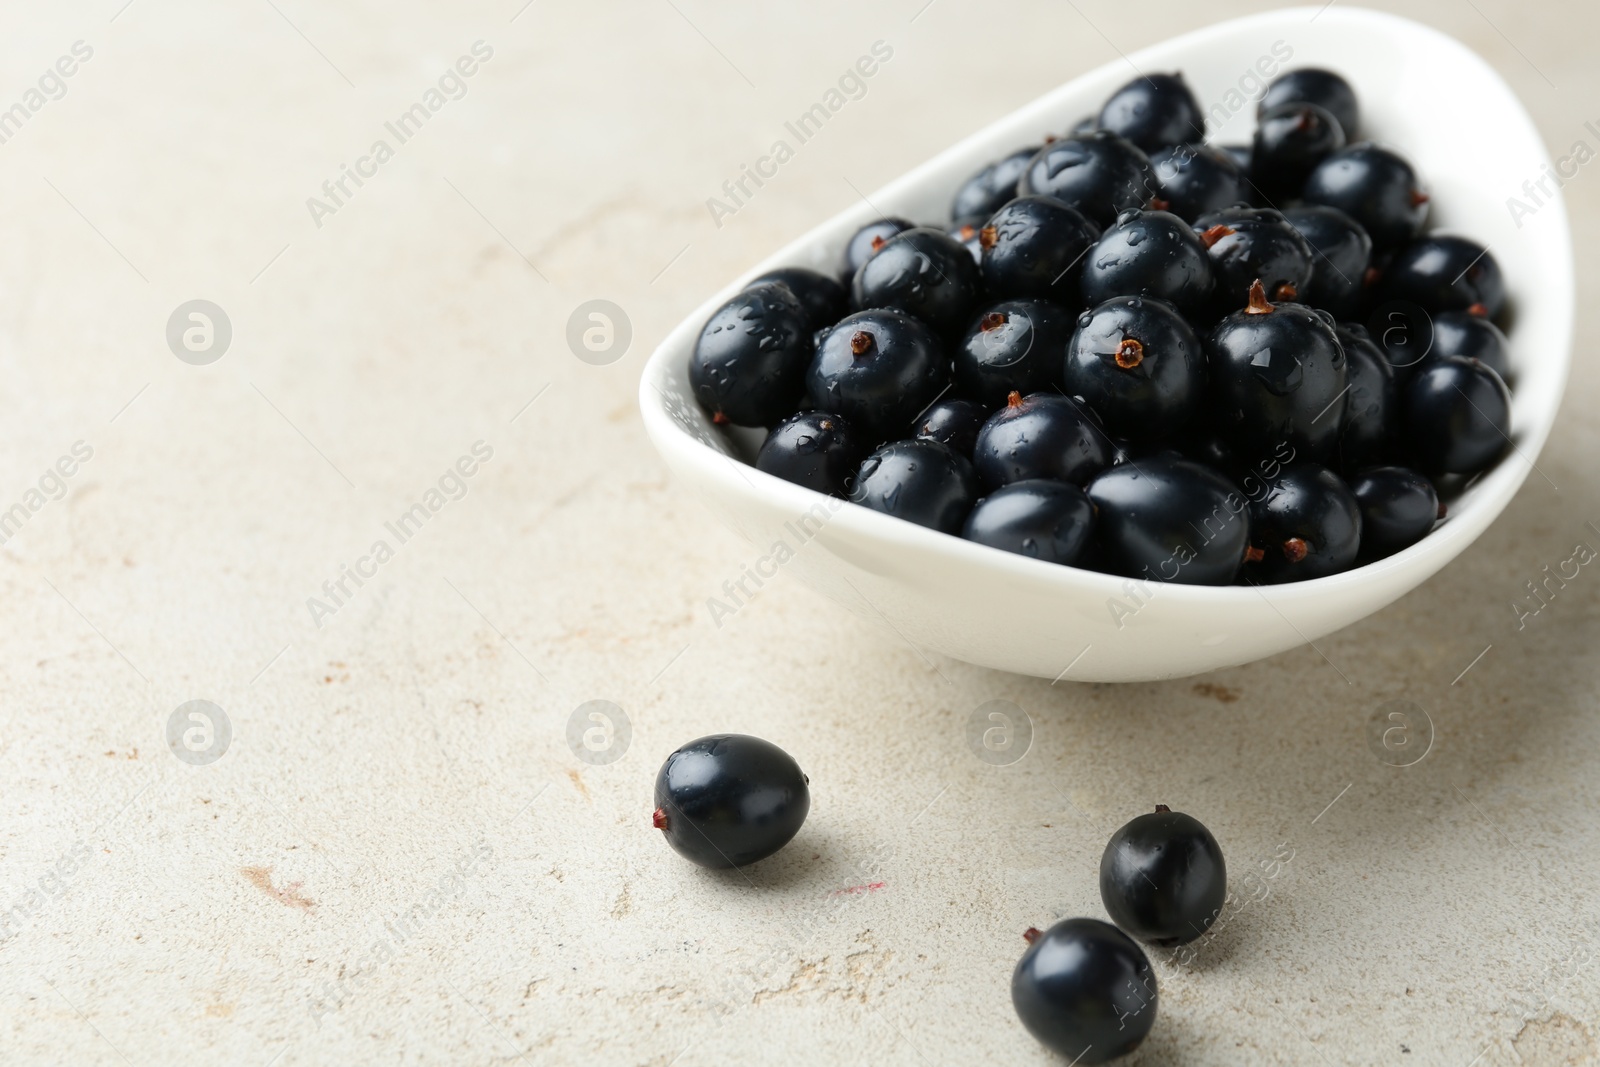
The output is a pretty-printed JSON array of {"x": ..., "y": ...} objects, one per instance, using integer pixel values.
[{"x": 398, "y": 857}]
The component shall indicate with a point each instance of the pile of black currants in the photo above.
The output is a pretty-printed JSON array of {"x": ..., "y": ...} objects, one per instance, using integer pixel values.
[{"x": 1135, "y": 352}]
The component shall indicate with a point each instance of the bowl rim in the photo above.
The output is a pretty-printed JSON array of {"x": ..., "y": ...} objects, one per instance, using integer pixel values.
[{"x": 1491, "y": 492}]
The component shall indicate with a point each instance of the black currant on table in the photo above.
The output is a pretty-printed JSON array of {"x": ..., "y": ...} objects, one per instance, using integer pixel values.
[
  {"x": 1398, "y": 508},
  {"x": 1313, "y": 85},
  {"x": 1196, "y": 179},
  {"x": 954, "y": 422},
  {"x": 993, "y": 187},
  {"x": 1307, "y": 525},
  {"x": 749, "y": 364},
  {"x": 1163, "y": 879},
  {"x": 1014, "y": 346},
  {"x": 925, "y": 273},
  {"x": 1443, "y": 272},
  {"x": 1043, "y": 435},
  {"x": 1165, "y": 518},
  {"x": 1457, "y": 416},
  {"x": 919, "y": 480},
  {"x": 1085, "y": 990},
  {"x": 1341, "y": 255},
  {"x": 1374, "y": 186},
  {"x": 866, "y": 242},
  {"x": 728, "y": 800},
  {"x": 823, "y": 297},
  {"x": 1034, "y": 246},
  {"x": 1100, "y": 174},
  {"x": 1138, "y": 364},
  {"x": 1249, "y": 245},
  {"x": 1278, "y": 374},
  {"x": 879, "y": 369},
  {"x": 1291, "y": 139},
  {"x": 1154, "y": 111},
  {"x": 815, "y": 449},
  {"x": 1461, "y": 333},
  {"x": 1042, "y": 519},
  {"x": 1150, "y": 253}
]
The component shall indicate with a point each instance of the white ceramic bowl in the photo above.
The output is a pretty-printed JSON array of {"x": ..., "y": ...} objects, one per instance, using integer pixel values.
[{"x": 1420, "y": 91}]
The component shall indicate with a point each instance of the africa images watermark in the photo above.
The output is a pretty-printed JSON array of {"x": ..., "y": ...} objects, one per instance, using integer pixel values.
[
  {"x": 52, "y": 486},
  {"x": 1552, "y": 177},
  {"x": 802, "y": 530},
  {"x": 451, "y": 85},
  {"x": 52, "y": 85},
  {"x": 852, "y": 85},
  {"x": 452, "y": 486}
]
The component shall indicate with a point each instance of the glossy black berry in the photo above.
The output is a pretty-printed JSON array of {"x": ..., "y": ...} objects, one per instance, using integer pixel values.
[
  {"x": 1196, "y": 179},
  {"x": 1100, "y": 174},
  {"x": 919, "y": 480},
  {"x": 1306, "y": 525},
  {"x": 1341, "y": 253},
  {"x": 1137, "y": 364},
  {"x": 955, "y": 423},
  {"x": 729, "y": 800},
  {"x": 1461, "y": 333},
  {"x": 1290, "y": 141},
  {"x": 749, "y": 364},
  {"x": 1035, "y": 247},
  {"x": 1376, "y": 188},
  {"x": 925, "y": 273},
  {"x": 1398, "y": 508},
  {"x": 1155, "y": 111},
  {"x": 864, "y": 244},
  {"x": 1164, "y": 518},
  {"x": 1312, "y": 85},
  {"x": 1149, "y": 253},
  {"x": 1442, "y": 272},
  {"x": 1404, "y": 333},
  {"x": 1162, "y": 878},
  {"x": 1371, "y": 400},
  {"x": 814, "y": 449},
  {"x": 1457, "y": 416},
  {"x": 993, "y": 187},
  {"x": 1248, "y": 245},
  {"x": 1278, "y": 375},
  {"x": 1014, "y": 346},
  {"x": 1045, "y": 520},
  {"x": 969, "y": 234},
  {"x": 1085, "y": 990},
  {"x": 822, "y": 297},
  {"x": 1045, "y": 435},
  {"x": 879, "y": 369}
]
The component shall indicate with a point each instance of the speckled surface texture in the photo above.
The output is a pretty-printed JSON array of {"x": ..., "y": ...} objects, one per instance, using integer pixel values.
[{"x": 399, "y": 858}]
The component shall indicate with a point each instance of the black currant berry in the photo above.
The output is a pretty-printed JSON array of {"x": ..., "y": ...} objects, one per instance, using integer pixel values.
[
  {"x": 729, "y": 800},
  {"x": 1014, "y": 346},
  {"x": 1085, "y": 990},
  {"x": 1045, "y": 435},
  {"x": 1278, "y": 374},
  {"x": 1034, "y": 247},
  {"x": 923, "y": 273},
  {"x": 1149, "y": 253},
  {"x": 1155, "y": 111},
  {"x": 1307, "y": 525},
  {"x": 1289, "y": 143},
  {"x": 1371, "y": 401},
  {"x": 879, "y": 369},
  {"x": 864, "y": 244},
  {"x": 749, "y": 364},
  {"x": 814, "y": 449},
  {"x": 1461, "y": 333},
  {"x": 1196, "y": 179},
  {"x": 1341, "y": 253},
  {"x": 968, "y": 233},
  {"x": 1376, "y": 188},
  {"x": 1442, "y": 272},
  {"x": 1457, "y": 416},
  {"x": 1248, "y": 245},
  {"x": 919, "y": 480},
  {"x": 1164, "y": 518},
  {"x": 1312, "y": 85},
  {"x": 1139, "y": 366},
  {"x": 955, "y": 423},
  {"x": 1162, "y": 878},
  {"x": 993, "y": 187},
  {"x": 1099, "y": 173},
  {"x": 1398, "y": 509},
  {"x": 822, "y": 297},
  {"x": 1046, "y": 520}
]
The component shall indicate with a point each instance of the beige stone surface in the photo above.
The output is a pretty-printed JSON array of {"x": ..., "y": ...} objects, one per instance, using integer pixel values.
[{"x": 398, "y": 858}]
